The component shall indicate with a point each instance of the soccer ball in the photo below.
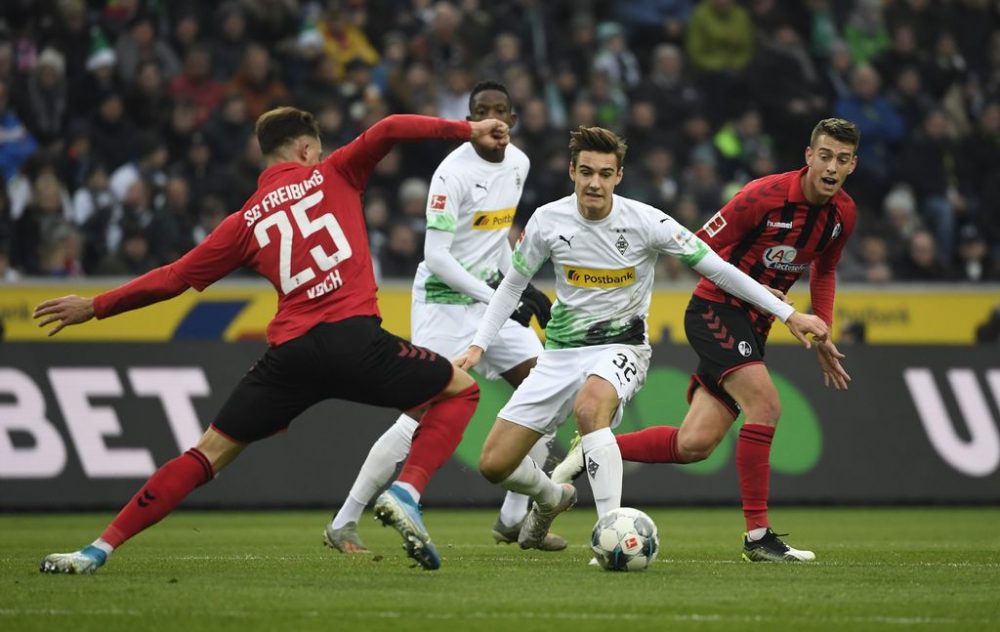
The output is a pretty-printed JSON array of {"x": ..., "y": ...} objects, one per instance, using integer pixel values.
[{"x": 625, "y": 539}]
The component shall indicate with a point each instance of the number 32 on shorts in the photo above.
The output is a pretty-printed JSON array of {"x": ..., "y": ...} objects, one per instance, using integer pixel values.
[{"x": 626, "y": 368}]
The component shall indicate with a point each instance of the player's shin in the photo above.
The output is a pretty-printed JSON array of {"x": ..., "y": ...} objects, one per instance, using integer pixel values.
[
  {"x": 436, "y": 437},
  {"x": 603, "y": 462},
  {"x": 161, "y": 494},
  {"x": 650, "y": 445},
  {"x": 753, "y": 454},
  {"x": 377, "y": 470},
  {"x": 515, "y": 505}
]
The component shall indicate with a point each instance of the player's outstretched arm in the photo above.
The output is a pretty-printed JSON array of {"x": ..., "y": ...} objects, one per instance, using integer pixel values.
[
  {"x": 156, "y": 285},
  {"x": 65, "y": 310},
  {"x": 829, "y": 358}
]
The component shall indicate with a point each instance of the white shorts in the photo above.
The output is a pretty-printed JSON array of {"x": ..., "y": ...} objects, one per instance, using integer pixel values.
[
  {"x": 449, "y": 329},
  {"x": 545, "y": 398}
]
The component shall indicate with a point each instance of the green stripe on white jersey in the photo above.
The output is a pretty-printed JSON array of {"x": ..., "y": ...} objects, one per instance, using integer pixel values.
[
  {"x": 476, "y": 200},
  {"x": 604, "y": 268}
]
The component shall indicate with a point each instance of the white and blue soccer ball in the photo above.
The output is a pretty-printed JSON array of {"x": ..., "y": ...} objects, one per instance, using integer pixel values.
[{"x": 625, "y": 539}]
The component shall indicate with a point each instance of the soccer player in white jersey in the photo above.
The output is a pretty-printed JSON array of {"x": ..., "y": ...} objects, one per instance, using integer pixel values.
[
  {"x": 470, "y": 209},
  {"x": 603, "y": 248}
]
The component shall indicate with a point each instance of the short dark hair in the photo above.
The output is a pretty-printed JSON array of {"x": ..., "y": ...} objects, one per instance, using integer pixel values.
[
  {"x": 483, "y": 86},
  {"x": 838, "y": 129},
  {"x": 597, "y": 139},
  {"x": 282, "y": 125}
]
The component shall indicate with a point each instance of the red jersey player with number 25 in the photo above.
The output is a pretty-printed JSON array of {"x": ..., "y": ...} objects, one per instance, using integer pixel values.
[{"x": 304, "y": 231}]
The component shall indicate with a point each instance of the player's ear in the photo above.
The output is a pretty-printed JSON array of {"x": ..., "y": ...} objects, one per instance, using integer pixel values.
[
  {"x": 854, "y": 165},
  {"x": 809, "y": 153},
  {"x": 513, "y": 121},
  {"x": 620, "y": 175},
  {"x": 572, "y": 171}
]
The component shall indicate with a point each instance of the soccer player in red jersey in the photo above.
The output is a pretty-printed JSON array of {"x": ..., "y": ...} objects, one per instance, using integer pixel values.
[
  {"x": 775, "y": 229},
  {"x": 304, "y": 231}
]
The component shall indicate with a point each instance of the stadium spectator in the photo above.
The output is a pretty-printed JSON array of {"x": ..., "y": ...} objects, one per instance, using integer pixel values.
[
  {"x": 921, "y": 261},
  {"x": 196, "y": 84},
  {"x": 865, "y": 31},
  {"x": 140, "y": 43},
  {"x": 720, "y": 45},
  {"x": 973, "y": 261},
  {"x": 229, "y": 47},
  {"x": 615, "y": 59},
  {"x": 16, "y": 142},
  {"x": 650, "y": 22},
  {"x": 112, "y": 132},
  {"x": 147, "y": 100},
  {"x": 345, "y": 41},
  {"x": 228, "y": 129},
  {"x": 257, "y": 83},
  {"x": 45, "y": 100},
  {"x": 132, "y": 258},
  {"x": 881, "y": 127}
]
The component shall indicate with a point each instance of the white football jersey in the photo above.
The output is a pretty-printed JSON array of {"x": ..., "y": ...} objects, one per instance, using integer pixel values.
[
  {"x": 604, "y": 268},
  {"x": 475, "y": 199}
]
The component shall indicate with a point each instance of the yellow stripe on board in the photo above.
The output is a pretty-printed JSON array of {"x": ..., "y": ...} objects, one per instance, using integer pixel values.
[{"x": 891, "y": 317}]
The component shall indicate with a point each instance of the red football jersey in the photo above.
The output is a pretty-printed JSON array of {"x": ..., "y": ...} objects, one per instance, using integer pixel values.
[
  {"x": 304, "y": 231},
  {"x": 771, "y": 232}
]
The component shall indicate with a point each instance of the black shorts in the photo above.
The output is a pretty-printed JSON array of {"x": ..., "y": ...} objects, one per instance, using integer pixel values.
[
  {"x": 354, "y": 359},
  {"x": 725, "y": 339}
]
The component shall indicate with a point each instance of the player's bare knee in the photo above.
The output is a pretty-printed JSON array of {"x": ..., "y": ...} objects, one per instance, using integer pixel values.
[
  {"x": 495, "y": 469},
  {"x": 765, "y": 411},
  {"x": 696, "y": 448}
]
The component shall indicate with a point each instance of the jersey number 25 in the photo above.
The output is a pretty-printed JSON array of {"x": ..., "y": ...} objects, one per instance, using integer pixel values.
[{"x": 306, "y": 227}]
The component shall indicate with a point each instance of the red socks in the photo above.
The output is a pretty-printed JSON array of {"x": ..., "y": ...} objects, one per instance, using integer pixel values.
[
  {"x": 164, "y": 490},
  {"x": 753, "y": 463},
  {"x": 651, "y": 445},
  {"x": 439, "y": 433}
]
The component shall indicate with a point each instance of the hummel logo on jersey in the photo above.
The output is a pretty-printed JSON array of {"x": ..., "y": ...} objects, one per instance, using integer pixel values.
[
  {"x": 715, "y": 224},
  {"x": 568, "y": 240},
  {"x": 836, "y": 230},
  {"x": 443, "y": 179},
  {"x": 592, "y": 467},
  {"x": 481, "y": 186},
  {"x": 621, "y": 244},
  {"x": 771, "y": 224}
]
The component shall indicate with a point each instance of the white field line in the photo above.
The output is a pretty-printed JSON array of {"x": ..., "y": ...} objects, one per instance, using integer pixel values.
[{"x": 702, "y": 617}]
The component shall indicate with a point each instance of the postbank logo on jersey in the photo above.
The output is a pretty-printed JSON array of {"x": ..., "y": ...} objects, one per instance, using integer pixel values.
[
  {"x": 493, "y": 220},
  {"x": 783, "y": 258},
  {"x": 595, "y": 277}
]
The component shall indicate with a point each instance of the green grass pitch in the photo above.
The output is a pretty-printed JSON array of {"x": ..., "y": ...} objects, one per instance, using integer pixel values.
[{"x": 895, "y": 568}]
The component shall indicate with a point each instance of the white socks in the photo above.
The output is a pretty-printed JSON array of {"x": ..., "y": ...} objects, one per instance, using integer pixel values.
[
  {"x": 602, "y": 461},
  {"x": 104, "y": 546},
  {"x": 515, "y": 506},
  {"x": 755, "y": 534},
  {"x": 530, "y": 480},
  {"x": 379, "y": 466}
]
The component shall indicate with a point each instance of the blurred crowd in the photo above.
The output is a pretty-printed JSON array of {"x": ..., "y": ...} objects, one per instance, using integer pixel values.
[{"x": 126, "y": 126}]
